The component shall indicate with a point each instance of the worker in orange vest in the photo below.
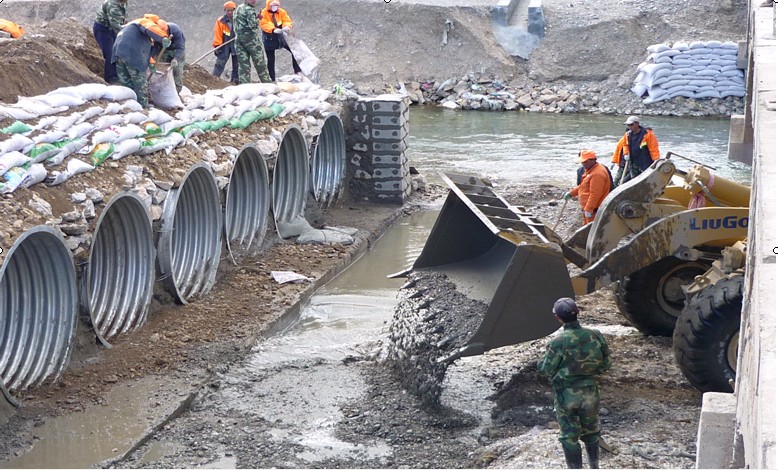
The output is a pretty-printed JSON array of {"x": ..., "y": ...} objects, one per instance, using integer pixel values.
[
  {"x": 223, "y": 32},
  {"x": 11, "y": 28},
  {"x": 595, "y": 185}
]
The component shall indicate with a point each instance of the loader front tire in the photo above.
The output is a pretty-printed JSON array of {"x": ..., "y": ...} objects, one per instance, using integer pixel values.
[
  {"x": 652, "y": 299},
  {"x": 705, "y": 340}
]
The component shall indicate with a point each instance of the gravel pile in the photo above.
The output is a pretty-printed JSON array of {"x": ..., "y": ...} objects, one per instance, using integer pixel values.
[{"x": 431, "y": 321}]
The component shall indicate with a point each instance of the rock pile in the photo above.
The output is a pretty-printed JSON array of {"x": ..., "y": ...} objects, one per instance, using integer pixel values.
[{"x": 486, "y": 94}]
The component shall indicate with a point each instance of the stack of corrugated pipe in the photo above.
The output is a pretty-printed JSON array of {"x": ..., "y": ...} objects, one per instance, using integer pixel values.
[{"x": 42, "y": 292}]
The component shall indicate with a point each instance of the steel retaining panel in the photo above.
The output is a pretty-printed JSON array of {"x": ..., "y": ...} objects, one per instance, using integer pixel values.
[
  {"x": 328, "y": 163},
  {"x": 290, "y": 181},
  {"x": 189, "y": 247},
  {"x": 120, "y": 274},
  {"x": 247, "y": 206},
  {"x": 39, "y": 305}
]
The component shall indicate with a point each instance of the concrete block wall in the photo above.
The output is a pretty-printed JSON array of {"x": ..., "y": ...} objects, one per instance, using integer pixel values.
[{"x": 376, "y": 142}]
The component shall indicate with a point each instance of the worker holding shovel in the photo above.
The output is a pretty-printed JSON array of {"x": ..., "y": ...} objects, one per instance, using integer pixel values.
[
  {"x": 276, "y": 24},
  {"x": 224, "y": 43}
]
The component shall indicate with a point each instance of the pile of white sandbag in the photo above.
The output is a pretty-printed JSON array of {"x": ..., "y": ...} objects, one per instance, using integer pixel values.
[
  {"x": 43, "y": 136},
  {"x": 693, "y": 70}
]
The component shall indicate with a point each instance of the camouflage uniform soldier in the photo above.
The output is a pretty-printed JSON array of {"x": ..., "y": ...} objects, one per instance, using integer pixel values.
[
  {"x": 571, "y": 361},
  {"x": 249, "y": 45},
  {"x": 108, "y": 22}
]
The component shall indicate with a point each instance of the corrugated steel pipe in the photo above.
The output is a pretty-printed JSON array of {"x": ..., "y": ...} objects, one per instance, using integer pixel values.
[
  {"x": 247, "y": 208},
  {"x": 39, "y": 305},
  {"x": 120, "y": 274},
  {"x": 328, "y": 163},
  {"x": 290, "y": 183},
  {"x": 189, "y": 247}
]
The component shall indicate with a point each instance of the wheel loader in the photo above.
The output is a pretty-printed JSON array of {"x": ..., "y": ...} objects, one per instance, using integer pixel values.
[{"x": 645, "y": 242}]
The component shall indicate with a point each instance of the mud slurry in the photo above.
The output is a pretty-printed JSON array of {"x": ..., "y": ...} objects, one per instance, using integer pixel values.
[{"x": 431, "y": 321}]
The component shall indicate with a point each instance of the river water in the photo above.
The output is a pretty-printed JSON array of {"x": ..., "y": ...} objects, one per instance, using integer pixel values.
[
  {"x": 349, "y": 315},
  {"x": 541, "y": 148}
]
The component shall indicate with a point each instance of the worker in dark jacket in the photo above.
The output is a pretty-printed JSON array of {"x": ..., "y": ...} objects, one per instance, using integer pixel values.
[
  {"x": 108, "y": 22},
  {"x": 224, "y": 32},
  {"x": 571, "y": 362},
  {"x": 175, "y": 54},
  {"x": 635, "y": 151},
  {"x": 275, "y": 24},
  {"x": 132, "y": 52},
  {"x": 249, "y": 44}
]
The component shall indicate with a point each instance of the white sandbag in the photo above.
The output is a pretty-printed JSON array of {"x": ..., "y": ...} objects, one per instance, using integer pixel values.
[
  {"x": 304, "y": 56},
  {"x": 74, "y": 167},
  {"x": 733, "y": 91},
  {"x": 159, "y": 117},
  {"x": 89, "y": 113},
  {"x": 162, "y": 90},
  {"x": 702, "y": 82},
  {"x": 112, "y": 108},
  {"x": 117, "y": 133},
  {"x": 680, "y": 46},
  {"x": 12, "y": 159},
  {"x": 656, "y": 81},
  {"x": 173, "y": 125},
  {"x": 16, "y": 142},
  {"x": 683, "y": 93},
  {"x": 57, "y": 100},
  {"x": 126, "y": 147},
  {"x": 185, "y": 92},
  {"x": 49, "y": 137},
  {"x": 80, "y": 130},
  {"x": 38, "y": 107},
  {"x": 656, "y": 91},
  {"x": 674, "y": 83},
  {"x": 194, "y": 102},
  {"x": 91, "y": 91},
  {"x": 67, "y": 150},
  {"x": 118, "y": 93},
  {"x": 696, "y": 45},
  {"x": 17, "y": 113},
  {"x": 131, "y": 105},
  {"x": 104, "y": 122},
  {"x": 136, "y": 117},
  {"x": 657, "y": 48},
  {"x": 42, "y": 152},
  {"x": 17, "y": 177},
  {"x": 44, "y": 122},
  {"x": 66, "y": 122},
  {"x": 228, "y": 112}
]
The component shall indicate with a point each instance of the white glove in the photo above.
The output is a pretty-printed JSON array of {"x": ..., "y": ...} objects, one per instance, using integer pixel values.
[
  {"x": 588, "y": 215},
  {"x": 173, "y": 63},
  {"x": 287, "y": 29},
  {"x": 278, "y": 31}
]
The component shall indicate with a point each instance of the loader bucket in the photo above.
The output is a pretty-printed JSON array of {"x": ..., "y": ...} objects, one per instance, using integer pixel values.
[{"x": 495, "y": 253}]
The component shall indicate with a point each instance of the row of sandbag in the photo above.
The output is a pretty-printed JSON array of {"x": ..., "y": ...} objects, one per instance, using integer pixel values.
[
  {"x": 115, "y": 136},
  {"x": 692, "y": 70}
]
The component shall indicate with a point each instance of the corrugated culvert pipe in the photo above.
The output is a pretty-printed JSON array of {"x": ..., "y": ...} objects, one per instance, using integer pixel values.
[
  {"x": 120, "y": 273},
  {"x": 247, "y": 208},
  {"x": 328, "y": 163},
  {"x": 39, "y": 305},
  {"x": 290, "y": 183},
  {"x": 189, "y": 247}
]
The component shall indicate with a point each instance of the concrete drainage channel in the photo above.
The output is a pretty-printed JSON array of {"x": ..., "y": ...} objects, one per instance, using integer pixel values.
[{"x": 38, "y": 280}]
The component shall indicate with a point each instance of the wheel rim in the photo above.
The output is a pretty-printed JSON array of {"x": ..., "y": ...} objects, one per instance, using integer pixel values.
[
  {"x": 732, "y": 351},
  {"x": 669, "y": 291}
]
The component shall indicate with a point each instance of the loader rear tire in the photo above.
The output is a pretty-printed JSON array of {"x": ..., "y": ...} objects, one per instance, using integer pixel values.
[
  {"x": 652, "y": 299},
  {"x": 706, "y": 337}
]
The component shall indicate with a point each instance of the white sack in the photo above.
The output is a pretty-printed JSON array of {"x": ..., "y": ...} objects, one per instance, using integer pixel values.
[{"x": 162, "y": 90}]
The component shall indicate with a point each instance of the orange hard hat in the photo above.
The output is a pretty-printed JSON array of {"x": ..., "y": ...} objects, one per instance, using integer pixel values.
[
  {"x": 586, "y": 155},
  {"x": 163, "y": 25},
  {"x": 230, "y": 5}
]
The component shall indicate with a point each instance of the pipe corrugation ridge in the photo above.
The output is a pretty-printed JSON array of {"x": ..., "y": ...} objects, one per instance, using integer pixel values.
[
  {"x": 190, "y": 243},
  {"x": 39, "y": 305},
  {"x": 247, "y": 206},
  {"x": 120, "y": 273},
  {"x": 290, "y": 176},
  {"x": 328, "y": 163}
]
